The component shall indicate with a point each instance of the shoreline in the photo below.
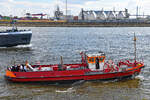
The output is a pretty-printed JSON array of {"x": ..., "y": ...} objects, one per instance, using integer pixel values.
[{"x": 75, "y": 24}]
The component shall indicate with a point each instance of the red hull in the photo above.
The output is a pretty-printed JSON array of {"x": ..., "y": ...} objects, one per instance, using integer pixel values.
[{"x": 84, "y": 74}]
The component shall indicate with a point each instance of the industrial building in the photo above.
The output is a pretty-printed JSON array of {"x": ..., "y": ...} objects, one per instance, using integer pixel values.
[
  {"x": 1, "y": 16},
  {"x": 103, "y": 15},
  {"x": 58, "y": 15}
]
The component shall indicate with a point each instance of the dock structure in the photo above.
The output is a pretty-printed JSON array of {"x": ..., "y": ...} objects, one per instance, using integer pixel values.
[{"x": 80, "y": 23}]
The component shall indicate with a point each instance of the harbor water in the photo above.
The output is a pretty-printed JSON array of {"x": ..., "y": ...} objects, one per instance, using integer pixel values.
[{"x": 49, "y": 43}]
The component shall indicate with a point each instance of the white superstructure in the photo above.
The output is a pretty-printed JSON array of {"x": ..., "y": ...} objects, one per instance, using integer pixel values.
[{"x": 95, "y": 61}]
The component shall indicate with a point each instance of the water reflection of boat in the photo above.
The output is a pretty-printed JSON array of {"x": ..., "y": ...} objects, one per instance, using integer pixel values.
[
  {"x": 111, "y": 84},
  {"x": 15, "y": 37},
  {"x": 17, "y": 48}
]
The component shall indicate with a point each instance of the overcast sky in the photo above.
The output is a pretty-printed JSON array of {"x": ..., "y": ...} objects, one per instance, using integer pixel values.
[{"x": 20, "y": 7}]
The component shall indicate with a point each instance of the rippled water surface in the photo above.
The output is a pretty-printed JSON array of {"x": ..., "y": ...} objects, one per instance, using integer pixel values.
[{"x": 48, "y": 44}]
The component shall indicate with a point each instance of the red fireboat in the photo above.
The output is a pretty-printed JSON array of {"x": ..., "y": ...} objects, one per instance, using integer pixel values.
[{"x": 92, "y": 67}]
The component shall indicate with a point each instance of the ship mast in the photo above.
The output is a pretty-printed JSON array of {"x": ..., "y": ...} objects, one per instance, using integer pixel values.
[
  {"x": 134, "y": 47},
  {"x": 66, "y": 9},
  {"x": 61, "y": 60}
]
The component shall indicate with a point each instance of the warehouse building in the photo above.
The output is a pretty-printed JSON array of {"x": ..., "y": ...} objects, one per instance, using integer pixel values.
[{"x": 103, "y": 15}]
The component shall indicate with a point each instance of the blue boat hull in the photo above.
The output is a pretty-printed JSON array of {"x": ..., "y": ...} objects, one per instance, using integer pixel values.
[{"x": 9, "y": 40}]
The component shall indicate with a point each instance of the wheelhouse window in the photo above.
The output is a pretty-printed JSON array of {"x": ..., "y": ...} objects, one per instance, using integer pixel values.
[
  {"x": 91, "y": 60},
  {"x": 101, "y": 59}
]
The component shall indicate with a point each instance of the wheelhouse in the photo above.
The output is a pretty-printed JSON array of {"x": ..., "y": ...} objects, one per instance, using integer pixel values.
[{"x": 95, "y": 61}]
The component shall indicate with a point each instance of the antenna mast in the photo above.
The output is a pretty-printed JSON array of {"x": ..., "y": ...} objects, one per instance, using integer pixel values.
[
  {"x": 134, "y": 47},
  {"x": 66, "y": 9},
  {"x": 137, "y": 11}
]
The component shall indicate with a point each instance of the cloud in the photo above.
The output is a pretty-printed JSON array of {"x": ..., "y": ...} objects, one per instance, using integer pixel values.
[
  {"x": 79, "y": 1},
  {"x": 20, "y": 7},
  {"x": 12, "y": 7}
]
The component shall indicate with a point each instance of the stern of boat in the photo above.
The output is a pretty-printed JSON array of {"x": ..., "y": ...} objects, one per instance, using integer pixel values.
[{"x": 9, "y": 75}]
